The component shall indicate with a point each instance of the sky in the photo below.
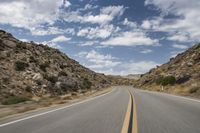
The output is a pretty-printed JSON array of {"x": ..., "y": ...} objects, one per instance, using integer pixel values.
[{"x": 116, "y": 37}]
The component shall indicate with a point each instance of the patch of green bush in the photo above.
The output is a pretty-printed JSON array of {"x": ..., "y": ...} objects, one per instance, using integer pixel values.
[
  {"x": 198, "y": 46},
  {"x": 168, "y": 80},
  {"x": 20, "y": 65},
  {"x": 86, "y": 84},
  {"x": 15, "y": 100}
]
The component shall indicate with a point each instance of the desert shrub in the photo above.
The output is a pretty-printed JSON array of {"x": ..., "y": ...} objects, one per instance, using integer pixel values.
[
  {"x": 62, "y": 73},
  {"x": 52, "y": 79},
  {"x": 28, "y": 88},
  {"x": 103, "y": 81},
  {"x": 38, "y": 82},
  {"x": 86, "y": 84},
  {"x": 33, "y": 60},
  {"x": 44, "y": 66},
  {"x": 165, "y": 80},
  {"x": 159, "y": 80},
  {"x": 198, "y": 46},
  {"x": 15, "y": 100},
  {"x": 20, "y": 65},
  {"x": 21, "y": 45}
]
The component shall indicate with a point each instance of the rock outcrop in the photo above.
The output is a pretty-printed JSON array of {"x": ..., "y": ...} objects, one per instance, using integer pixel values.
[{"x": 35, "y": 69}]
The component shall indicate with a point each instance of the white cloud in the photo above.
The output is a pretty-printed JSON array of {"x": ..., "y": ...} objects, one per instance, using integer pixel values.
[
  {"x": 129, "y": 23},
  {"x": 51, "y": 44},
  {"x": 146, "y": 24},
  {"x": 99, "y": 61},
  {"x": 100, "y": 19},
  {"x": 180, "y": 37},
  {"x": 41, "y": 31},
  {"x": 106, "y": 15},
  {"x": 131, "y": 67},
  {"x": 30, "y": 14},
  {"x": 24, "y": 40},
  {"x": 106, "y": 63},
  {"x": 179, "y": 46},
  {"x": 97, "y": 32},
  {"x": 139, "y": 67},
  {"x": 188, "y": 20},
  {"x": 146, "y": 51},
  {"x": 130, "y": 39},
  {"x": 60, "y": 39},
  {"x": 113, "y": 10},
  {"x": 88, "y": 43},
  {"x": 54, "y": 43}
]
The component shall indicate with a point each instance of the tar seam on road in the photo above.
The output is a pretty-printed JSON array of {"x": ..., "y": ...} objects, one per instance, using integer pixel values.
[
  {"x": 125, "y": 127},
  {"x": 135, "y": 127},
  {"x": 130, "y": 120},
  {"x": 131, "y": 116},
  {"x": 47, "y": 112}
]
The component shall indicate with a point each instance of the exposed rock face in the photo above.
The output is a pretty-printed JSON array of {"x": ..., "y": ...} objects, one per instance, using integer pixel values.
[
  {"x": 35, "y": 69},
  {"x": 185, "y": 67}
]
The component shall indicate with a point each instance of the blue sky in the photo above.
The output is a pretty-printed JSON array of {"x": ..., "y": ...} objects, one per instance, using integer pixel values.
[{"x": 109, "y": 36}]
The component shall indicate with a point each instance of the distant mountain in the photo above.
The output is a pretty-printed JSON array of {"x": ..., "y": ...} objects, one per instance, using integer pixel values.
[
  {"x": 132, "y": 76},
  {"x": 35, "y": 69},
  {"x": 181, "y": 75}
]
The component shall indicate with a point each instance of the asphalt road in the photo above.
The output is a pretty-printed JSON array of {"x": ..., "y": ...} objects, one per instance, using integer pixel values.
[
  {"x": 103, "y": 114},
  {"x": 164, "y": 113},
  {"x": 154, "y": 113}
]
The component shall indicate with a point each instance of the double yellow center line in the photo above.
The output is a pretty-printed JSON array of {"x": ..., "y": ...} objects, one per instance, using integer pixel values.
[{"x": 130, "y": 121}]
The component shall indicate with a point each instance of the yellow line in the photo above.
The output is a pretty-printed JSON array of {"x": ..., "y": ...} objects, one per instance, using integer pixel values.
[
  {"x": 135, "y": 127},
  {"x": 127, "y": 116}
]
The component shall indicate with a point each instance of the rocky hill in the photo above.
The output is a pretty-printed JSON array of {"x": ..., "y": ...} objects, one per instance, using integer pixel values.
[
  {"x": 37, "y": 70},
  {"x": 181, "y": 75}
]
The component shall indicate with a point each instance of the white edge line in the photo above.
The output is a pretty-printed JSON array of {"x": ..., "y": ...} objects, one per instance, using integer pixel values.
[
  {"x": 29, "y": 117},
  {"x": 186, "y": 98}
]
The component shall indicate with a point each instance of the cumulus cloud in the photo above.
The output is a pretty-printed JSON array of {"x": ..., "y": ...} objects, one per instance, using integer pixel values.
[
  {"x": 129, "y": 23},
  {"x": 97, "y": 32},
  {"x": 105, "y": 16},
  {"x": 146, "y": 24},
  {"x": 60, "y": 39},
  {"x": 179, "y": 46},
  {"x": 146, "y": 51},
  {"x": 133, "y": 38},
  {"x": 106, "y": 63},
  {"x": 41, "y": 31},
  {"x": 99, "y": 61},
  {"x": 187, "y": 19},
  {"x": 30, "y": 14},
  {"x": 138, "y": 67},
  {"x": 180, "y": 37},
  {"x": 54, "y": 43}
]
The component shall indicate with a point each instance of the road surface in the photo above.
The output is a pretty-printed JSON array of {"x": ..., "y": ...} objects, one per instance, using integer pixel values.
[{"x": 148, "y": 112}]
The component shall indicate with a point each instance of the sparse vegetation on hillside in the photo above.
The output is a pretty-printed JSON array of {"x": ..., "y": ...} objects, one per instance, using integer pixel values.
[
  {"x": 20, "y": 65},
  {"x": 168, "y": 80},
  {"x": 15, "y": 100},
  {"x": 185, "y": 68}
]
